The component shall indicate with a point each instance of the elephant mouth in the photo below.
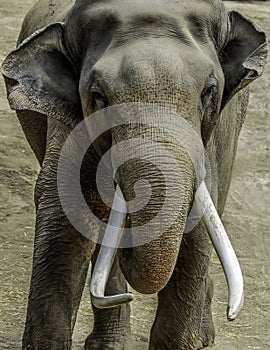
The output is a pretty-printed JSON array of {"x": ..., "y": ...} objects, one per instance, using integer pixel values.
[{"x": 217, "y": 233}]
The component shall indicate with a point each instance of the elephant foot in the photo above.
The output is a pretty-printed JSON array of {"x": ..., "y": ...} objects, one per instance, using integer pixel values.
[
  {"x": 46, "y": 340},
  {"x": 201, "y": 345},
  {"x": 167, "y": 342},
  {"x": 97, "y": 343},
  {"x": 207, "y": 331},
  {"x": 206, "y": 339},
  {"x": 193, "y": 343},
  {"x": 47, "y": 345},
  {"x": 183, "y": 326}
]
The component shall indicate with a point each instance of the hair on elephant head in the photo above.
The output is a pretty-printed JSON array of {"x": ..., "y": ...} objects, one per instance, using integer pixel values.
[{"x": 166, "y": 83}]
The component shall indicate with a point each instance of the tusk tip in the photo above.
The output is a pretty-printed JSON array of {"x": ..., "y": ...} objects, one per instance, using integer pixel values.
[
  {"x": 105, "y": 302},
  {"x": 231, "y": 315},
  {"x": 233, "y": 311}
]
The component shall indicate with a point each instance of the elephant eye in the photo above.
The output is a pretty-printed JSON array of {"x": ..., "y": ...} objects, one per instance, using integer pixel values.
[
  {"x": 208, "y": 95},
  {"x": 98, "y": 99},
  {"x": 209, "y": 89}
]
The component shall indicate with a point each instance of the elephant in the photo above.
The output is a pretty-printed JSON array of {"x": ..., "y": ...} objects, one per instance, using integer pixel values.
[{"x": 188, "y": 59}]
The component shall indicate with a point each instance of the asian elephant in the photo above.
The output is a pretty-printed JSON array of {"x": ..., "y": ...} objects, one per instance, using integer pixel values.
[{"x": 74, "y": 58}]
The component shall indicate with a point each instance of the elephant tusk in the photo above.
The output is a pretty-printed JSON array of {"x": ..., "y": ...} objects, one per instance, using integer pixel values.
[
  {"x": 224, "y": 251},
  {"x": 106, "y": 256}
]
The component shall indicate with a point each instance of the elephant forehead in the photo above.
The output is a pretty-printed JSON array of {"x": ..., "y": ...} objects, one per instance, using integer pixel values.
[
  {"x": 160, "y": 63},
  {"x": 124, "y": 9},
  {"x": 137, "y": 18}
]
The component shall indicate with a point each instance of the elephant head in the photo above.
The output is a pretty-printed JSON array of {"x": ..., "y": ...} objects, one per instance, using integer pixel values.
[{"x": 187, "y": 60}]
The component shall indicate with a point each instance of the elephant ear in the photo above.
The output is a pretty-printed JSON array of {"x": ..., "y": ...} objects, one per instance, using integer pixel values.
[
  {"x": 40, "y": 78},
  {"x": 244, "y": 55}
]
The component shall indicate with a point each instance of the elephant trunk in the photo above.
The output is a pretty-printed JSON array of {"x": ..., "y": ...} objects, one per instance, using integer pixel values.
[
  {"x": 157, "y": 178},
  {"x": 154, "y": 168},
  {"x": 155, "y": 229}
]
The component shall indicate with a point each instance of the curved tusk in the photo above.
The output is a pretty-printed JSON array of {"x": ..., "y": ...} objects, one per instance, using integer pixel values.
[
  {"x": 106, "y": 256},
  {"x": 224, "y": 251}
]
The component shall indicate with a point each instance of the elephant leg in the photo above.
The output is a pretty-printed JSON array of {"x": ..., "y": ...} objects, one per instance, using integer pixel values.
[
  {"x": 111, "y": 326},
  {"x": 60, "y": 263},
  {"x": 207, "y": 329},
  {"x": 184, "y": 318}
]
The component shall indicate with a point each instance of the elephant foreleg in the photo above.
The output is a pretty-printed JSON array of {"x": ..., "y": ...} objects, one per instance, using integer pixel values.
[
  {"x": 184, "y": 318},
  {"x": 60, "y": 266},
  {"x": 60, "y": 263}
]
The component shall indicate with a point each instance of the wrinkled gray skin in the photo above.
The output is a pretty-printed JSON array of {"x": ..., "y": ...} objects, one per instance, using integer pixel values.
[{"x": 112, "y": 45}]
